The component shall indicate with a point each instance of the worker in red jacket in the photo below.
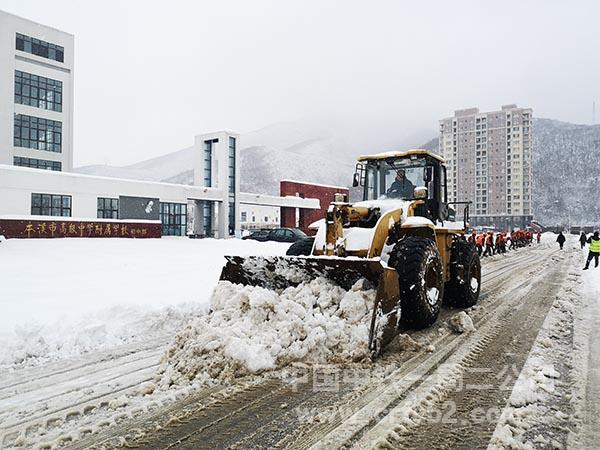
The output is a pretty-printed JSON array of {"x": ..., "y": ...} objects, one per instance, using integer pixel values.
[
  {"x": 500, "y": 243},
  {"x": 479, "y": 241},
  {"x": 472, "y": 237},
  {"x": 489, "y": 244}
]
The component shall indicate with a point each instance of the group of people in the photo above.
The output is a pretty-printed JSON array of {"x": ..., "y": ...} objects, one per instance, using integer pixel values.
[
  {"x": 490, "y": 243},
  {"x": 593, "y": 241}
]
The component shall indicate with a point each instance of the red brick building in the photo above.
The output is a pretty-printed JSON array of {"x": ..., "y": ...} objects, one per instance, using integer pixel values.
[{"x": 302, "y": 218}]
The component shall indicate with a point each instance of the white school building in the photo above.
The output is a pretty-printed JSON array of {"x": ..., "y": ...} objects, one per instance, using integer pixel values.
[{"x": 36, "y": 153}]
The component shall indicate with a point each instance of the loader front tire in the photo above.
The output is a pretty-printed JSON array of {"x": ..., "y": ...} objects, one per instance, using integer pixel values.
[
  {"x": 421, "y": 277},
  {"x": 302, "y": 247},
  {"x": 462, "y": 289}
]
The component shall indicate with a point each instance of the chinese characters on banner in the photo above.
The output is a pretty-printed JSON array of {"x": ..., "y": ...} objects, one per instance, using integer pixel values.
[{"x": 11, "y": 228}]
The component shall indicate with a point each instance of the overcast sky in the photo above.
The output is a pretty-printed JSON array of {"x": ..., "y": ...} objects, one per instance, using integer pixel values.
[{"x": 149, "y": 75}]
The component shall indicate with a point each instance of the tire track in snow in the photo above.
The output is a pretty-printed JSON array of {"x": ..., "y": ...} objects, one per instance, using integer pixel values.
[
  {"x": 498, "y": 268},
  {"x": 447, "y": 419},
  {"x": 396, "y": 388},
  {"x": 270, "y": 432},
  {"x": 72, "y": 366}
]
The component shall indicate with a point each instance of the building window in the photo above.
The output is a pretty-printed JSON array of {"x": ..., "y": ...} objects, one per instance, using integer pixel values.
[
  {"x": 231, "y": 183},
  {"x": 37, "y": 133},
  {"x": 39, "y": 92},
  {"x": 39, "y": 48},
  {"x": 51, "y": 205},
  {"x": 208, "y": 150},
  {"x": 108, "y": 208},
  {"x": 37, "y": 163},
  {"x": 174, "y": 218},
  {"x": 208, "y": 207},
  {"x": 244, "y": 216},
  {"x": 207, "y": 218}
]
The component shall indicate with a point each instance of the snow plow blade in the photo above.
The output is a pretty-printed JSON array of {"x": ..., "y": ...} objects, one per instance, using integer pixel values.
[{"x": 278, "y": 273}]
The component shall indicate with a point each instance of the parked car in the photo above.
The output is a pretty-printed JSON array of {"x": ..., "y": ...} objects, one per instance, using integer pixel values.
[
  {"x": 277, "y": 235},
  {"x": 257, "y": 235}
]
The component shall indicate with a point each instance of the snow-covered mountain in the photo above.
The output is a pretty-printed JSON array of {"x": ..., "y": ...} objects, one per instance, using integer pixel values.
[
  {"x": 161, "y": 168},
  {"x": 261, "y": 167},
  {"x": 566, "y": 163},
  {"x": 566, "y": 172},
  {"x": 303, "y": 150}
]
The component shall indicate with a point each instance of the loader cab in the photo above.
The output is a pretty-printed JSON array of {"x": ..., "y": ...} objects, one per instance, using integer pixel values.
[{"x": 411, "y": 175}]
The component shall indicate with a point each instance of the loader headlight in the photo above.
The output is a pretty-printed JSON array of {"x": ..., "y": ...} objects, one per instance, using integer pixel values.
[{"x": 420, "y": 192}]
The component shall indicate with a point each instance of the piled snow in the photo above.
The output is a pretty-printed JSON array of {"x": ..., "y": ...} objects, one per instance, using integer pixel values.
[
  {"x": 252, "y": 329},
  {"x": 35, "y": 343},
  {"x": 536, "y": 378},
  {"x": 586, "y": 361},
  {"x": 461, "y": 322},
  {"x": 527, "y": 406},
  {"x": 65, "y": 297},
  {"x": 542, "y": 397}
]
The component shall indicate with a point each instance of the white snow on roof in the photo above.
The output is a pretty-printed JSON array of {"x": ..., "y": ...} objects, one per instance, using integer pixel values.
[
  {"x": 317, "y": 184},
  {"x": 96, "y": 177},
  {"x": 72, "y": 219}
]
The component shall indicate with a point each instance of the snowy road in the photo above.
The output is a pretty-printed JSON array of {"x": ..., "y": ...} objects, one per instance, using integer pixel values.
[
  {"x": 432, "y": 389},
  {"x": 302, "y": 415}
]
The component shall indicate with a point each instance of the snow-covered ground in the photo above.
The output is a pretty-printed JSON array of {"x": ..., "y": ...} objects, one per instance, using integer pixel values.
[
  {"x": 555, "y": 402},
  {"x": 587, "y": 361},
  {"x": 89, "y": 343},
  {"x": 62, "y": 297}
]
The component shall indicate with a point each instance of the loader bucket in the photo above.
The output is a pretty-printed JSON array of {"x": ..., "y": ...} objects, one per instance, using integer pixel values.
[{"x": 278, "y": 273}]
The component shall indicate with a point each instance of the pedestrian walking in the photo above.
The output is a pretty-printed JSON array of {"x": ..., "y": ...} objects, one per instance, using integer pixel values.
[
  {"x": 516, "y": 239},
  {"x": 479, "y": 243},
  {"x": 489, "y": 244},
  {"x": 500, "y": 243},
  {"x": 594, "y": 252},
  {"x": 561, "y": 240},
  {"x": 582, "y": 240},
  {"x": 539, "y": 237},
  {"x": 472, "y": 237}
]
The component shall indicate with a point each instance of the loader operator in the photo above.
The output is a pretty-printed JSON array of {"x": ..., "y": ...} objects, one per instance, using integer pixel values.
[{"x": 401, "y": 187}]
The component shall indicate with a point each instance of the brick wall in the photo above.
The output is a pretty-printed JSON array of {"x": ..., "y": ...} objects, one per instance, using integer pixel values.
[{"x": 325, "y": 194}]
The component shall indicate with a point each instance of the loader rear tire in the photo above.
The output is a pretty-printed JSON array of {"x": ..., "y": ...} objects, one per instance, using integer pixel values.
[
  {"x": 421, "y": 277},
  {"x": 302, "y": 247},
  {"x": 462, "y": 289}
]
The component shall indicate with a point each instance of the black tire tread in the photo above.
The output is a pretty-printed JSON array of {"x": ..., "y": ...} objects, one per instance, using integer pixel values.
[
  {"x": 407, "y": 257},
  {"x": 458, "y": 294}
]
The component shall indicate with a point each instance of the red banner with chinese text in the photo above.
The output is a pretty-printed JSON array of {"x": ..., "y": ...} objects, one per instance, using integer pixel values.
[{"x": 20, "y": 228}]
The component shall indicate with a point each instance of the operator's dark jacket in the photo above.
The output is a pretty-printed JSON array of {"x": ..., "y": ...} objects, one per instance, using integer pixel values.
[
  {"x": 402, "y": 189},
  {"x": 561, "y": 239}
]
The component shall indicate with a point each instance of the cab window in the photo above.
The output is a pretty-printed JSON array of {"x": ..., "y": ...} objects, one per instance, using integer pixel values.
[{"x": 371, "y": 183}]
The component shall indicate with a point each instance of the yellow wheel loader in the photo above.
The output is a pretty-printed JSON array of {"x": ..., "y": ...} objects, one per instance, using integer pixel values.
[{"x": 402, "y": 237}]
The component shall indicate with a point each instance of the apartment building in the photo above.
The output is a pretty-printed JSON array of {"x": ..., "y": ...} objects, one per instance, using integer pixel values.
[
  {"x": 36, "y": 95},
  {"x": 489, "y": 156}
]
